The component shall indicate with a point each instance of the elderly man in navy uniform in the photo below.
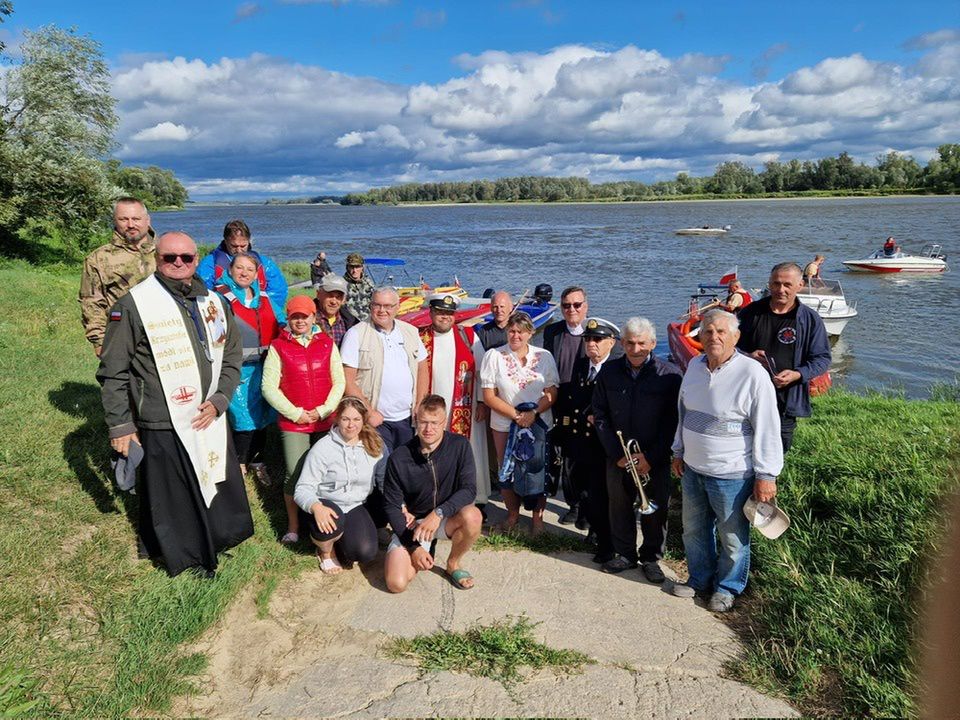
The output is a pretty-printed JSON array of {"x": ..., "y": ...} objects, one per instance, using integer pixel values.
[{"x": 575, "y": 432}]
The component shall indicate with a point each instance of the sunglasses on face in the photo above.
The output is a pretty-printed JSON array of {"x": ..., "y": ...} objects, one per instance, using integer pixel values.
[
  {"x": 185, "y": 258},
  {"x": 571, "y": 305}
]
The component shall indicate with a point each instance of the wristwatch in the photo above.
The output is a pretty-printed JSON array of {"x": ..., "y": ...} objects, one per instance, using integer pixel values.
[{"x": 439, "y": 511}]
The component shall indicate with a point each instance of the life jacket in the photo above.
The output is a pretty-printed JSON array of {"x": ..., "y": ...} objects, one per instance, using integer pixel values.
[
  {"x": 304, "y": 377},
  {"x": 258, "y": 326},
  {"x": 221, "y": 266},
  {"x": 747, "y": 299}
]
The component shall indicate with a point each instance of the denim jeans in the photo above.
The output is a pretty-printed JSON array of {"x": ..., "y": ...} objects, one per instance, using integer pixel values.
[{"x": 714, "y": 506}]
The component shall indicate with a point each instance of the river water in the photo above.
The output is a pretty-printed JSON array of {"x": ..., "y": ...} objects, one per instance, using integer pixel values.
[{"x": 632, "y": 263}]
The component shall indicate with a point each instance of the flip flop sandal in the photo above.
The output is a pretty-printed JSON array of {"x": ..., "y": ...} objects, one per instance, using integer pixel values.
[
  {"x": 457, "y": 576},
  {"x": 329, "y": 566}
]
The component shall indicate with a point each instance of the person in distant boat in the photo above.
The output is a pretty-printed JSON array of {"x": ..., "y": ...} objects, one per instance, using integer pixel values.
[
  {"x": 236, "y": 239},
  {"x": 811, "y": 273},
  {"x": 890, "y": 247},
  {"x": 359, "y": 287},
  {"x": 333, "y": 317},
  {"x": 428, "y": 495},
  {"x": 112, "y": 269},
  {"x": 737, "y": 299},
  {"x": 790, "y": 340},
  {"x": 166, "y": 386}
]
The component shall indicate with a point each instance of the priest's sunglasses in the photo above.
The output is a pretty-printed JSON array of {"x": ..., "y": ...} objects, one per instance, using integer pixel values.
[
  {"x": 573, "y": 305},
  {"x": 185, "y": 258}
]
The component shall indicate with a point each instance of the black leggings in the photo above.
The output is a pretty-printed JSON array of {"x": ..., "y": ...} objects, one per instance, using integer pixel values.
[
  {"x": 357, "y": 530},
  {"x": 249, "y": 444}
]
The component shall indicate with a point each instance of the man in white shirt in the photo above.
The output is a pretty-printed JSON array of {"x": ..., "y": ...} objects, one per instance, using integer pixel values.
[
  {"x": 385, "y": 365},
  {"x": 727, "y": 448}
]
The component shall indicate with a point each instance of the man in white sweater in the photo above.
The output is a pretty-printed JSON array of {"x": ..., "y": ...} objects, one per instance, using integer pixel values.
[{"x": 727, "y": 448}]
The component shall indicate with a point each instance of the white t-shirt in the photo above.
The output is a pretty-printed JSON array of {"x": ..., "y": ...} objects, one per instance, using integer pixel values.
[
  {"x": 444, "y": 359},
  {"x": 396, "y": 386},
  {"x": 517, "y": 383}
]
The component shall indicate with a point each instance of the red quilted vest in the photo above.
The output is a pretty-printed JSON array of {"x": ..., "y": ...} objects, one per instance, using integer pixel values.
[{"x": 304, "y": 377}]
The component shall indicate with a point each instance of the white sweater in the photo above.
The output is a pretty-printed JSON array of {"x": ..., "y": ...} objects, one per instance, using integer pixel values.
[
  {"x": 344, "y": 474},
  {"x": 729, "y": 425}
]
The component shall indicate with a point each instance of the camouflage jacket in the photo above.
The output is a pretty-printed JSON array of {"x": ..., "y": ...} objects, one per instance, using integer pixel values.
[
  {"x": 108, "y": 274},
  {"x": 358, "y": 295}
]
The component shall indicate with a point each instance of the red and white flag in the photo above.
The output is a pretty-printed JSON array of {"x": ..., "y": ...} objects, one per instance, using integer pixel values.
[{"x": 728, "y": 277}]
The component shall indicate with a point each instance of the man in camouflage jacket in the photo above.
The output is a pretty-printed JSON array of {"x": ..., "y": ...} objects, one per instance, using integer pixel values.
[
  {"x": 359, "y": 287},
  {"x": 112, "y": 269}
]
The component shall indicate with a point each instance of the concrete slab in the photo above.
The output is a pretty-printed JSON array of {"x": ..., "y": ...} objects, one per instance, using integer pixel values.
[{"x": 319, "y": 651}]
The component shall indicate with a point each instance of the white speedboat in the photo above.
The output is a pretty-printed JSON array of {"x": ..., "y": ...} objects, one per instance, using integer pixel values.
[
  {"x": 705, "y": 230},
  {"x": 827, "y": 299},
  {"x": 930, "y": 260}
]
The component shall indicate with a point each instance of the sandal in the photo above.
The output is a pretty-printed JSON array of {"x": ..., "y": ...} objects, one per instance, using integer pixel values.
[
  {"x": 329, "y": 565},
  {"x": 458, "y": 576}
]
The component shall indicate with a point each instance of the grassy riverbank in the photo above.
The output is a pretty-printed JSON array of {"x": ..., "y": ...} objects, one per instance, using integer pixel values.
[{"x": 86, "y": 629}]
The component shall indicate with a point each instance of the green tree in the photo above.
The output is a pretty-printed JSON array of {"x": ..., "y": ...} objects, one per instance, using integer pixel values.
[
  {"x": 899, "y": 171},
  {"x": 56, "y": 123},
  {"x": 943, "y": 171}
]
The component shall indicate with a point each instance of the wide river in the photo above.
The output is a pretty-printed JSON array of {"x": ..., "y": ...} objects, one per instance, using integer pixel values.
[{"x": 632, "y": 263}]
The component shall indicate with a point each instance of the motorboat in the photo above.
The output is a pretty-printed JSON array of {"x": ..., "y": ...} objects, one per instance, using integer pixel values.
[
  {"x": 704, "y": 230},
  {"x": 930, "y": 260},
  {"x": 682, "y": 337},
  {"x": 827, "y": 299}
]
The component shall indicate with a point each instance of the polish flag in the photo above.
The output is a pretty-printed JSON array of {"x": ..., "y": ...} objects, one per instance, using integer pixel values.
[{"x": 728, "y": 277}]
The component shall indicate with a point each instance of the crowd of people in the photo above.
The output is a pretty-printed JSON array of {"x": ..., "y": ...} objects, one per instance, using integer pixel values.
[{"x": 405, "y": 433}]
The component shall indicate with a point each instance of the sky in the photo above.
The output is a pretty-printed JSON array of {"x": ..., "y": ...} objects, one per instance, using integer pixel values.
[{"x": 280, "y": 98}]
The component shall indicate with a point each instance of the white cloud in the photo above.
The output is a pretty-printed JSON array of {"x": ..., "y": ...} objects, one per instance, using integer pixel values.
[
  {"x": 622, "y": 113},
  {"x": 165, "y": 131}
]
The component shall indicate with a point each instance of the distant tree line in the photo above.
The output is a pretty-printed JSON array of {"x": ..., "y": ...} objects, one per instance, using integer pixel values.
[
  {"x": 57, "y": 121},
  {"x": 892, "y": 172}
]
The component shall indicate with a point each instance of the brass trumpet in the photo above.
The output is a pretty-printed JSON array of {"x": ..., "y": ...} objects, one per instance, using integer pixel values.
[{"x": 631, "y": 448}]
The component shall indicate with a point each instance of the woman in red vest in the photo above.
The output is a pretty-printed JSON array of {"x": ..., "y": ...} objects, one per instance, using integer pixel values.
[
  {"x": 248, "y": 412},
  {"x": 303, "y": 381}
]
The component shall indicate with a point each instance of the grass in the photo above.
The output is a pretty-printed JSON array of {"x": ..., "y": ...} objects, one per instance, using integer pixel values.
[
  {"x": 85, "y": 628},
  {"x": 833, "y": 614},
  {"x": 496, "y": 651}
]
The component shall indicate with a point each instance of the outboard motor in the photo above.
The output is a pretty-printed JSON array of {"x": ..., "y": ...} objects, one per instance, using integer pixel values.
[
  {"x": 543, "y": 292},
  {"x": 488, "y": 293}
]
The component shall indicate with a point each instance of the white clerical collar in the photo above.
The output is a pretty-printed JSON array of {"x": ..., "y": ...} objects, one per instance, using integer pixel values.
[{"x": 574, "y": 329}]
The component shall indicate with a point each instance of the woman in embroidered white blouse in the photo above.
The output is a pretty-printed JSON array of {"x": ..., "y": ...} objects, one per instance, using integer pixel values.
[{"x": 510, "y": 375}]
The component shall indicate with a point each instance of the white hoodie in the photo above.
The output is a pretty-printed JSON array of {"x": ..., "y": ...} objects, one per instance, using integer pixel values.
[{"x": 341, "y": 473}]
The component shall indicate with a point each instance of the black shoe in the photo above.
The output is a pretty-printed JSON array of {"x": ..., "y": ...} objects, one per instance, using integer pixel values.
[
  {"x": 581, "y": 523},
  {"x": 652, "y": 571},
  {"x": 570, "y": 517},
  {"x": 591, "y": 540},
  {"x": 618, "y": 565},
  {"x": 603, "y": 557}
]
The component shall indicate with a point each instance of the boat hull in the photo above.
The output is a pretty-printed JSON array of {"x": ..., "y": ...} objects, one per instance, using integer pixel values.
[{"x": 876, "y": 266}]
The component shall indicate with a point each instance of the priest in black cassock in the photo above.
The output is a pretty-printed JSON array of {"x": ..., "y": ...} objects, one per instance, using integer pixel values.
[{"x": 167, "y": 373}]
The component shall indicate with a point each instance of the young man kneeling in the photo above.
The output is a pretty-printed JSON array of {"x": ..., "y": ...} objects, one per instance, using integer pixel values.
[{"x": 428, "y": 490}]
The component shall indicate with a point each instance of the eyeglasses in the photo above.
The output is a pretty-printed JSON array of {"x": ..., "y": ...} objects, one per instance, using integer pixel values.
[
  {"x": 382, "y": 306},
  {"x": 571, "y": 305},
  {"x": 185, "y": 258}
]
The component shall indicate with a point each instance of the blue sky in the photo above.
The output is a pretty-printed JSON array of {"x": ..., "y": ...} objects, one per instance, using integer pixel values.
[{"x": 279, "y": 97}]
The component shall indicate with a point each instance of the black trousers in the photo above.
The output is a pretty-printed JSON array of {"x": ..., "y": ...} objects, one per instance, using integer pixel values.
[
  {"x": 573, "y": 484},
  {"x": 788, "y": 423},
  {"x": 249, "y": 444},
  {"x": 622, "y": 494},
  {"x": 591, "y": 475},
  {"x": 357, "y": 529}
]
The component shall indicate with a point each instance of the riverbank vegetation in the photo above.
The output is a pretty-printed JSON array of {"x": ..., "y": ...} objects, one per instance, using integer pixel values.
[
  {"x": 57, "y": 123},
  {"x": 833, "y": 614},
  {"x": 893, "y": 173},
  {"x": 87, "y": 629}
]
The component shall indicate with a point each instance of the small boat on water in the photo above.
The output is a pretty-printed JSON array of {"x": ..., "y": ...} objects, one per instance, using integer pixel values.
[
  {"x": 930, "y": 260},
  {"x": 827, "y": 298},
  {"x": 704, "y": 230}
]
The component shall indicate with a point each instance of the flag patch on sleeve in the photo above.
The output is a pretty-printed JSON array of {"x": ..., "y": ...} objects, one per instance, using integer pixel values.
[{"x": 115, "y": 315}]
